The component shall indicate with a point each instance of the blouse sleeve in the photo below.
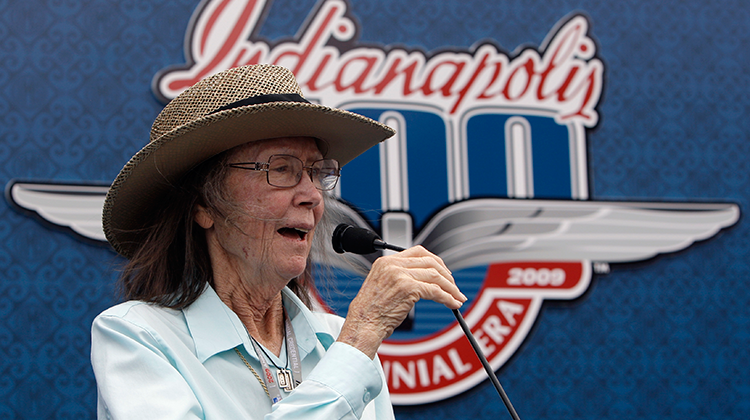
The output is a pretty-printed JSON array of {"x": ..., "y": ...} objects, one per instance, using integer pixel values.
[{"x": 343, "y": 383}]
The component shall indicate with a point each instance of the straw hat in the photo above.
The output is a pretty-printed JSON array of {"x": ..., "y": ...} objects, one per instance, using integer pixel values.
[{"x": 220, "y": 112}]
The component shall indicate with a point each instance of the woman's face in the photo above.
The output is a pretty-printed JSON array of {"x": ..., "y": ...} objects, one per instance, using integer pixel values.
[{"x": 268, "y": 232}]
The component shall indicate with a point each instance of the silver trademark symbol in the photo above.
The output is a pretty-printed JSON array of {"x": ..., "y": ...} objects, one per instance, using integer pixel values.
[{"x": 601, "y": 267}]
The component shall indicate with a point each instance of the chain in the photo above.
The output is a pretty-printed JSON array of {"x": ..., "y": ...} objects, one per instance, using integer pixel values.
[{"x": 252, "y": 370}]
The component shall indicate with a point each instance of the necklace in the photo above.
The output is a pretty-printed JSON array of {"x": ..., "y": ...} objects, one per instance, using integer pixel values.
[
  {"x": 252, "y": 370},
  {"x": 287, "y": 379},
  {"x": 283, "y": 375}
]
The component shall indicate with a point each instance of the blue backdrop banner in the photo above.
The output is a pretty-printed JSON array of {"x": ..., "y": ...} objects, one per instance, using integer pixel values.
[{"x": 580, "y": 165}]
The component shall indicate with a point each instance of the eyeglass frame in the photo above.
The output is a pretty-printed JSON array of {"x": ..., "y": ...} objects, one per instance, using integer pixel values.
[{"x": 266, "y": 166}]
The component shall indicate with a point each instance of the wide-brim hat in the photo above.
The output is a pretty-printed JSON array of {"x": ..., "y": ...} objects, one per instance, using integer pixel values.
[{"x": 222, "y": 111}]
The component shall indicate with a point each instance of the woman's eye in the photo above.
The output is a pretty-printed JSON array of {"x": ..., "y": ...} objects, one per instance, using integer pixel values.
[{"x": 281, "y": 169}]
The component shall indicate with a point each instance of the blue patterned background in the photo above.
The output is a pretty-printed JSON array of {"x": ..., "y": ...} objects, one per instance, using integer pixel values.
[{"x": 663, "y": 339}]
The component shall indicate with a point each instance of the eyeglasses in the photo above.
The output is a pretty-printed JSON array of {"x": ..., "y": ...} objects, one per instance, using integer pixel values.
[{"x": 285, "y": 171}]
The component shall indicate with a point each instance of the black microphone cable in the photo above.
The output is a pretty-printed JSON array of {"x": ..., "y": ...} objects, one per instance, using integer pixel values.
[{"x": 347, "y": 238}]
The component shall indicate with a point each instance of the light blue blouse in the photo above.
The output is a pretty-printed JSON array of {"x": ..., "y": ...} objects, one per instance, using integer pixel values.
[{"x": 156, "y": 363}]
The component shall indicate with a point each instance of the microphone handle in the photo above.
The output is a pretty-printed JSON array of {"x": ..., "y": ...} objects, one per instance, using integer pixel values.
[
  {"x": 380, "y": 244},
  {"x": 486, "y": 364}
]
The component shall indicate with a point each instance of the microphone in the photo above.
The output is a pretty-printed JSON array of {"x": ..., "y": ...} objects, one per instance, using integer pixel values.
[{"x": 347, "y": 238}]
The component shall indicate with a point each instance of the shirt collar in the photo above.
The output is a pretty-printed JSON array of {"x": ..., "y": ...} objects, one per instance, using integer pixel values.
[{"x": 216, "y": 328}]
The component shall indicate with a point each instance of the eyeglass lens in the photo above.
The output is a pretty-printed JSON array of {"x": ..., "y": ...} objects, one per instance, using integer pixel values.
[{"x": 286, "y": 171}]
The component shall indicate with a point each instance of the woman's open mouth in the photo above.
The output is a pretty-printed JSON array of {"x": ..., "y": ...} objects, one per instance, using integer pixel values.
[{"x": 293, "y": 233}]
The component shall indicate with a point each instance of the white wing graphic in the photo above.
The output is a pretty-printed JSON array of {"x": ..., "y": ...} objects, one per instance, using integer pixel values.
[
  {"x": 78, "y": 207},
  {"x": 473, "y": 232},
  {"x": 483, "y": 231}
]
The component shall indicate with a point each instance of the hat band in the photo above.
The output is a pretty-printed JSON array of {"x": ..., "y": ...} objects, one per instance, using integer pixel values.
[{"x": 264, "y": 99}]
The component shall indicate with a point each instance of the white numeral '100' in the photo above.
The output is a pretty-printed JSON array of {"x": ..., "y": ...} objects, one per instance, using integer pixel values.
[{"x": 536, "y": 277}]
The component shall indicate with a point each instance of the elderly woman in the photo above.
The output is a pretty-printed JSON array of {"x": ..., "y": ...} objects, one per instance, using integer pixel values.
[{"x": 217, "y": 216}]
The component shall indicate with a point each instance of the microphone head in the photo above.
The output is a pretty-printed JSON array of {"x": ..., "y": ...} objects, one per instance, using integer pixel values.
[{"x": 347, "y": 238}]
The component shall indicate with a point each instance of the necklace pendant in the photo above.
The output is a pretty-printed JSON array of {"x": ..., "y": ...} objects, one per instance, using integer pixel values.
[{"x": 285, "y": 379}]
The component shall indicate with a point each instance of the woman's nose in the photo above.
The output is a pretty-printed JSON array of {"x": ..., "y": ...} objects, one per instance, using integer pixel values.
[{"x": 309, "y": 194}]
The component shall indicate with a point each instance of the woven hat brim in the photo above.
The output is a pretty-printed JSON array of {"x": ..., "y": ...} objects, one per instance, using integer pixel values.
[{"x": 158, "y": 167}]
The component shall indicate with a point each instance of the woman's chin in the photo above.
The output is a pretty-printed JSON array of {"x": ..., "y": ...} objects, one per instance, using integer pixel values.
[{"x": 293, "y": 268}]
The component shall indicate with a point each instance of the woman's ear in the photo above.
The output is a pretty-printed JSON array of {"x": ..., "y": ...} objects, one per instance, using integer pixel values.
[{"x": 203, "y": 217}]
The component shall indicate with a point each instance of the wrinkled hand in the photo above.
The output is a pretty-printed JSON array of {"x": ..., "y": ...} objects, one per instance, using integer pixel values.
[{"x": 395, "y": 283}]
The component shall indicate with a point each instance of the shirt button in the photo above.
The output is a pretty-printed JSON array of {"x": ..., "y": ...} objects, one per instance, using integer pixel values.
[{"x": 367, "y": 397}]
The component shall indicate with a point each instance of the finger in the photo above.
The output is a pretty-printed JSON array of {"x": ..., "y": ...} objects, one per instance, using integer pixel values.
[
  {"x": 438, "y": 259},
  {"x": 420, "y": 257},
  {"x": 445, "y": 284},
  {"x": 437, "y": 294},
  {"x": 426, "y": 260}
]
